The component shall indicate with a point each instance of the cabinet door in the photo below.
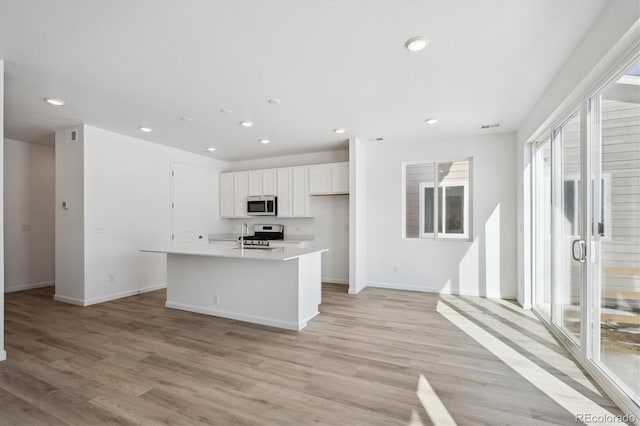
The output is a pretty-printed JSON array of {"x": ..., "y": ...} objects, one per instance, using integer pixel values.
[
  {"x": 240, "y": 189},
  {"x": 226, "y": 194},
  {"x": 340, "y": 178},
  {"x": 320, "y": 179},
  {"x": 255, "y": 182},
  {"x": 283, "y": 191},
  {"x": 269, "y": 182},
  {"x": 300, "y": 191}
]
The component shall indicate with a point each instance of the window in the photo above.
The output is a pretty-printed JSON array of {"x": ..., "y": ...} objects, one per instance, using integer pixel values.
[{"x": 437, "y": 202}]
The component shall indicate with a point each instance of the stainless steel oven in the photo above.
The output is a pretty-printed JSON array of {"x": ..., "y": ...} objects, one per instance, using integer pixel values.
[{"x": 266, "y": 205}]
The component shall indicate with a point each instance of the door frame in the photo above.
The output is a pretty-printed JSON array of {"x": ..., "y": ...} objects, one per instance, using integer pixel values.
[{"x": 590, "y": 296}]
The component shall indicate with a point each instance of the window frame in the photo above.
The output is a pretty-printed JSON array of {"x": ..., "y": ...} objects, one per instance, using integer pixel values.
[
  {"x": 421, "y": 209},
  {"x": 439, "y": 214},
  {"x": 465, "y": 207}
]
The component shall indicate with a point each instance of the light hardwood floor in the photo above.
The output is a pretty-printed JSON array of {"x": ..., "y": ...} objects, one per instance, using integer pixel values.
[{"x": 132, "y": 361}]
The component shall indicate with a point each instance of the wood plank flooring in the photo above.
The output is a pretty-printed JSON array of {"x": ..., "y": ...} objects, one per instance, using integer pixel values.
[{"x": 132, "y": 361}]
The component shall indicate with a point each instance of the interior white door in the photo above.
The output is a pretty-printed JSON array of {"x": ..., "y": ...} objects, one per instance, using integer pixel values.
[{"x": 187, "y": 205}]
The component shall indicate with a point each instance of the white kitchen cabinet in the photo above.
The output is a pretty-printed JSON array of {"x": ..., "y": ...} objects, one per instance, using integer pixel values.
[
  {"x": 261, "y": 182},
  {"x": 289, "y": 184},
  {"x": 269, "y": 182},
  {"x": 255, "y": 182},
  {"x": 329, "y": 179},
  {"x": 240, "y": 192},
  {"x": 320, "y": 179},
  {"x": 283, "y": 191},
  {"x": 340, "y": 178},
  {"x": 300, "y": 191},
  {"x": 226, "y": 195}
]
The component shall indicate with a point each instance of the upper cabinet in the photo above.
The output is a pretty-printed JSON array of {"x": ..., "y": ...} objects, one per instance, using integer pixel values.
[
  {"x": 233, "y": 194},
  {"x": 262, "y": 182},
  {"x": 300, "y": 191},
  {"x": 329, "y": 179},
  {"x": 226, "y": 195},
  {"x": 292, "y": 186}
]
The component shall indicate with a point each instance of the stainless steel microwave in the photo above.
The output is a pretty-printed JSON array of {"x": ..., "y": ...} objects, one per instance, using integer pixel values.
[{"x": 266, "y": 205}]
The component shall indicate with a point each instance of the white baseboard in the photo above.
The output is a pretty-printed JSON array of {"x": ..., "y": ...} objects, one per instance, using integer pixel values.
[
  {"x": 3, "y": 355},
  {"x": 330, "y": 280},
  {"x": 127, "y": 293},
  {"x": 22, "y": 287},
  {"x": 356, "y": 290},
  {"x": 69, "y": 300},
  {"x": 109, "y": 297},
  {"x": 236, "y": 316},
  {"x": 394, "y": 286}
]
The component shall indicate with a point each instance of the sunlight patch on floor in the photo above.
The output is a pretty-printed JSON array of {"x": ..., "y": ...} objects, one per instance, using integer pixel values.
[
  {"x": 543, "y": 352},
  {"x": 432, "y": 404},
  {"x": 567, "y": 397}
]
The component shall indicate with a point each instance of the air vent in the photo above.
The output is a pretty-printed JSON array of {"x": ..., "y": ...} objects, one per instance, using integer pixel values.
[{"x": 490, "y": 126}]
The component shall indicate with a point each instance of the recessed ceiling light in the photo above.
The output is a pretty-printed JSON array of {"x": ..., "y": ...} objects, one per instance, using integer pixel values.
[
  {"x": 210, "y": 149},
  {"x": 274, "y": 101},
  {"x": 431, "y": 120},
  {"x": 187, "y": 119},
  {"x": 56, "y": 102},
  {"x": 246, "y": 123},
  {"x": 225, "y": 111},
  {"x": 264, "y": 141},
  {"x": 145, "y": 129},
  {"x": 340, "y": 131},
  {"x": 415, "y": 44}
]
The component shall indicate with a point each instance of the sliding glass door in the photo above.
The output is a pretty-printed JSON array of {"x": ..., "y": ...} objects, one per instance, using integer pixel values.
[
  {"x": 568, "y": 246},
  {"x": 586, "y": 232},
  {"x": 542, "y": 226},
  {"x": 616, "y": 229}
]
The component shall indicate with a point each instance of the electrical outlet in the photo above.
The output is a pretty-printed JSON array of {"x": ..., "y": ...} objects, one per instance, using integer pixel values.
[
  {"x": 216, "y": 300},
  {"x": 112, "y": 278},
  {"x": 26, "y": 228},
  {"x": 395, "y": 269}
]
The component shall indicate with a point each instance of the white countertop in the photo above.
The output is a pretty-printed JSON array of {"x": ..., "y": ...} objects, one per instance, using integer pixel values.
[
  {"x": 276, "y": 253},
  {"x": 287, "y": 239}
]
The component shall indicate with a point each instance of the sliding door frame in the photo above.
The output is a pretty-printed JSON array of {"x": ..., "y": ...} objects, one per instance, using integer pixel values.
[{"x": 587, "y": 353}]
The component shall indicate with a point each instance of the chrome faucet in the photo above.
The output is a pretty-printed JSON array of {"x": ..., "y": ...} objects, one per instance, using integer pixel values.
[{"x": 244, "y": 231}]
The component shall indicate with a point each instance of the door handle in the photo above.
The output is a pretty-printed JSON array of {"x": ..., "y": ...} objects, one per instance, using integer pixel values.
[{"x": 582, "y": 257}]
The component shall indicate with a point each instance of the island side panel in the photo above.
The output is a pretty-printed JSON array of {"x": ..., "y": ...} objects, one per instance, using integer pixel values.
[
  {"x": 310, "y": 286},
  {"x": 258, "y": 291}
]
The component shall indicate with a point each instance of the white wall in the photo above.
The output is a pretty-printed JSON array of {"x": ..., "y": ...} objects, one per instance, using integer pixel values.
[
  {"x": 291, "y": 160},
  {"x": 120, "y": 192},
  {"x": 358, "y": 215},
  {"x": 3, "y": 353},
  {"x": 29, "y": 225},
  {"x": 69, "y": 228},
  {"x": 127, "y": 207},
  {"x": 330, "y": 222},
  {"x": 485, "y": 266},
  {"x": 614, "y": 34}
]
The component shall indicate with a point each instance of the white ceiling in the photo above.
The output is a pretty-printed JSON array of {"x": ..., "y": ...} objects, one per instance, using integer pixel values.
[{"x": 124, "y": 64}]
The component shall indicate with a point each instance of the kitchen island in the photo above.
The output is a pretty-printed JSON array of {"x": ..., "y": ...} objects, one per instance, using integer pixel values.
[{"x": 280, "y": 287}]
